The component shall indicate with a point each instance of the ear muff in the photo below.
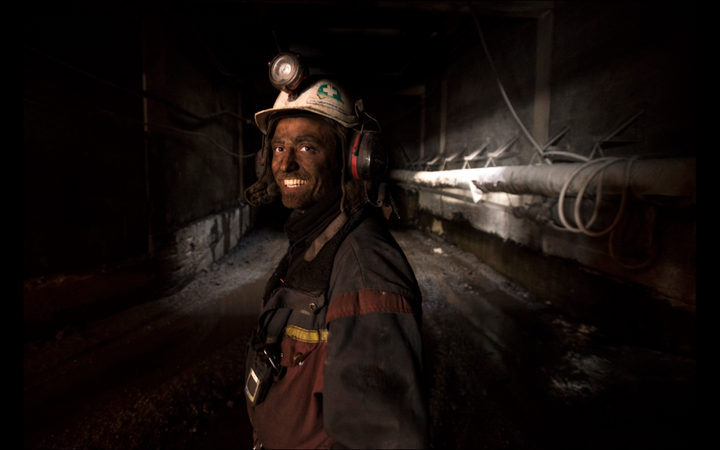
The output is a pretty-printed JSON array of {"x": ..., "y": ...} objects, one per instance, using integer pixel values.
[{"x": 368, "y": 159}]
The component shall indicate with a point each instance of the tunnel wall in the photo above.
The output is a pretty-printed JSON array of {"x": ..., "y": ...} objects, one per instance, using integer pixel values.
[
  {"x": 126, "y": 197},
  {"x": 609, "y": 61},
  {"x": 190, "y": 147},
  {"x": 84, "y": 193}
]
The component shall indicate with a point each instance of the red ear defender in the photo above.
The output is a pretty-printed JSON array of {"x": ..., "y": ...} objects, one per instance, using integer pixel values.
[{"x": 368, "y": 160}]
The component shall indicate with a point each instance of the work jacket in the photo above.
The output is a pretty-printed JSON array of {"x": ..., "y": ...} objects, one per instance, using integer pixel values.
[{"x": 344, "y": 312}]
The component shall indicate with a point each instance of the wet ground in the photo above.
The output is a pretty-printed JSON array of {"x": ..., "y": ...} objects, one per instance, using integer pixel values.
[{"x": 504, "y": 370}]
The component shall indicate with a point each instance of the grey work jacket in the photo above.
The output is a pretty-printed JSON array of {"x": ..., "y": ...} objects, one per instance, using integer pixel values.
[{"x": 352, "y": 351}]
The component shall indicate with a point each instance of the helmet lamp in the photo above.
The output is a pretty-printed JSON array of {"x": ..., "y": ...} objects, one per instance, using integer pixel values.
[{"x": 286, "y": 71}]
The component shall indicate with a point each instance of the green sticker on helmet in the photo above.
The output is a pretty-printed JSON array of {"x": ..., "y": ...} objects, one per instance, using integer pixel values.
[{"x": 329, "y": 90}]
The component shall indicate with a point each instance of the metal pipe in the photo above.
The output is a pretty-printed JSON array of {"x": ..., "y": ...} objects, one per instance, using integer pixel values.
[{"x": 669, "y": 177}]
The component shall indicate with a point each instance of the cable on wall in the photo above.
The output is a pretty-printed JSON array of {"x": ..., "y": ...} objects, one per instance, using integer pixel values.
[
  {"x": 150, "y": 124},
  {"x": 146, "y": 94},
  {"x": 158, "y": 99},
  {"x": 502, "y": 90},
  {"x": 601, "y": 164}
]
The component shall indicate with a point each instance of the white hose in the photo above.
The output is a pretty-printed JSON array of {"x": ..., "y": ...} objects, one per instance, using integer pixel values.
[{"x": 603, "y": 164}]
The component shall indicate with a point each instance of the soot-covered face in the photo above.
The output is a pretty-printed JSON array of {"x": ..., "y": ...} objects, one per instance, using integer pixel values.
[{"x": 304, "y": 161}]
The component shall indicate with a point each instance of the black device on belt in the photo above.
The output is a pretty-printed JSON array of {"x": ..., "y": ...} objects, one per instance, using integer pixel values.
[{"x": 265, "y": 366}]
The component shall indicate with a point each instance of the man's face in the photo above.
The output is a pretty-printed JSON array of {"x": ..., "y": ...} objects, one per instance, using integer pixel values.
[{"x": 304, "y": 161}]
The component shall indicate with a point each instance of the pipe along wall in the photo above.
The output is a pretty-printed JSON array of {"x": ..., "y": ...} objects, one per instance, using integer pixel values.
[{"x": 537, "y": 207}]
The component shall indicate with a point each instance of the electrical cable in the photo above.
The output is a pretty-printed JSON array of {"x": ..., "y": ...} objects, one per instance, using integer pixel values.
[
  {"x": 502, "y": 90},
  {"x": 604, "y": 163},
  {"x": 570, "y": 155},
  {"x": 145, "y": 94},
  {"x": 106, "y": 113},
  {"x": 540, "y": 152},
  {"x": 623, "y": 200},
  {"x": 160, "y": 100}
]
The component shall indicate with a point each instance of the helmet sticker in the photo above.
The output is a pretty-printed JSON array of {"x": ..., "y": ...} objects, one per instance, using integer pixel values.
[
  {"x": 328, "y": 90},
  {"x": 323, "y": 97}
]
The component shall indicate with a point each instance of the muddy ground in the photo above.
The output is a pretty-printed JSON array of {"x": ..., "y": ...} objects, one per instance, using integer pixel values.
[{"x": 504, "y": 370}]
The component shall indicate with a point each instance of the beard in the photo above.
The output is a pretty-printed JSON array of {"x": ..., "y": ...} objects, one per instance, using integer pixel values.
[
  {"x": 307, "y": 198},
  {"x": 301, "y": 201}
]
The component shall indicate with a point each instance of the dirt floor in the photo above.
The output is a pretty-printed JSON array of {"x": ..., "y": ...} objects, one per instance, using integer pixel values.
[{"x": 504, "y": 370}]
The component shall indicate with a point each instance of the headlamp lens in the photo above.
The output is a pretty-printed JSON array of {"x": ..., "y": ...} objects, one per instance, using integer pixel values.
[{"x": 286, "y": 71}]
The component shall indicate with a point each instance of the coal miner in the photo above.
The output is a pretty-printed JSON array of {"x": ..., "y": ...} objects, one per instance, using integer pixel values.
[{"x": 336, "y": 358}]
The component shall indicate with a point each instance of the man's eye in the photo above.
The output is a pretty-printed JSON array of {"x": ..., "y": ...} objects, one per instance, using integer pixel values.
[
  {"x": 279, "y": 149},
  {"x": 305, "y": 148}
]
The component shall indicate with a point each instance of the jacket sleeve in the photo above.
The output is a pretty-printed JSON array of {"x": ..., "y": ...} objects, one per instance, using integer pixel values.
[{"x": 373, "y": 395}]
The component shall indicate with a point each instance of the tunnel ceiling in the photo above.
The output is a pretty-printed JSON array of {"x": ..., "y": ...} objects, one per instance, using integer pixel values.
[{"x": 386, "y": 46}]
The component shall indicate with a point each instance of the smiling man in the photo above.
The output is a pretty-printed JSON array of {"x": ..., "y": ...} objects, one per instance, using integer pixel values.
[
  {"x": 304, "y": 161},
  {"x": 335, "y": 361}
]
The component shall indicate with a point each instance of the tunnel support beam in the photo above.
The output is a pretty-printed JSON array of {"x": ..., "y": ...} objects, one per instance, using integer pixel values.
[
  {"x": 673, "y": 177},
  {"x": 541, "y": 106}
]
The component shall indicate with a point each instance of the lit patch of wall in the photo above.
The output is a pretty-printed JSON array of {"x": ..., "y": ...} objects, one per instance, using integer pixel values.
[
  {"x": 190, "y": 249},
  {"x": 671, "y": 274}
]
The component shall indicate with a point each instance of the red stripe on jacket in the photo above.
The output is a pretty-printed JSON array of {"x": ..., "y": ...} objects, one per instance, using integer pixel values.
[{"x": 367, "y": 301}]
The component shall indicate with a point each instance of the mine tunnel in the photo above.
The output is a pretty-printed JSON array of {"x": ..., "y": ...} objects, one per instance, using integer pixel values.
[{"x": 540, "y": 181}]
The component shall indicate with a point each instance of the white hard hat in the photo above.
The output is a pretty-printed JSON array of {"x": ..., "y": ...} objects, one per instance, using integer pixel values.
[{"x": 324, "y": 97}]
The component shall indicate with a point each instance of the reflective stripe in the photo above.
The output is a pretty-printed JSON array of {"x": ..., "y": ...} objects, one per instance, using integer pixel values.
[
  {"x": 305, "y": 335},
  {"x": 370, "y": 301},
  {"x": 354, "y": 157},
  {"x": 326, "y": 235}
]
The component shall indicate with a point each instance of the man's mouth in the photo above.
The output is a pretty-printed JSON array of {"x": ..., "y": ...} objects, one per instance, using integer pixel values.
[{"x": 293, "y": 182}]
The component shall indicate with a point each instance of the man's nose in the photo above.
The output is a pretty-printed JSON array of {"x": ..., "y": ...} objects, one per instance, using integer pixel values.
[{"x": 289, "y": 161}]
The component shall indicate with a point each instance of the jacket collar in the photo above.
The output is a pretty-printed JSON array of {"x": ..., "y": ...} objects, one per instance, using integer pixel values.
[{"x": 300, "y": 226}]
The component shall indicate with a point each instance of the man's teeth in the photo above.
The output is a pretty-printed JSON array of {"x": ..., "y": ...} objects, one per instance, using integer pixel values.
[{"x": 294, "y": 183}]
